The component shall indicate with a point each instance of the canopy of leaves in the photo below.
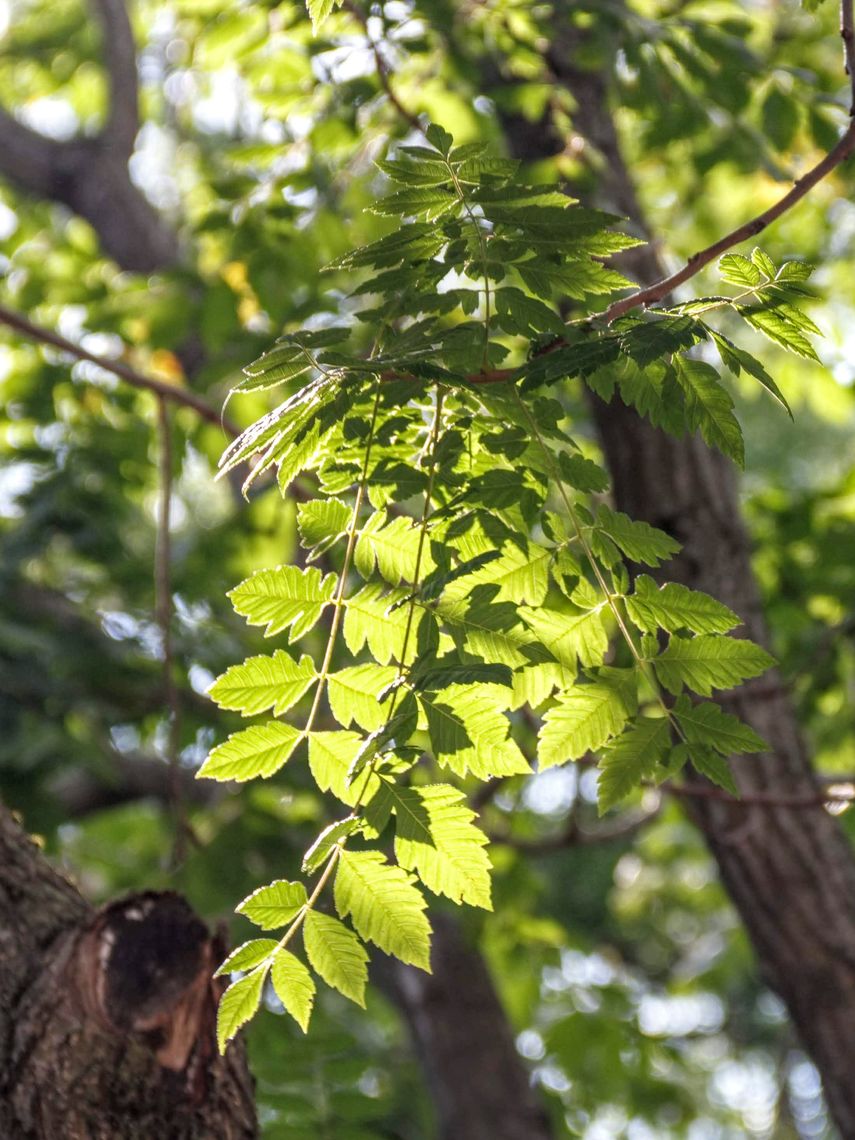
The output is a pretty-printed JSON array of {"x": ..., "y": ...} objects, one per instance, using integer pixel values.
[{"x": 353, "y": 283}]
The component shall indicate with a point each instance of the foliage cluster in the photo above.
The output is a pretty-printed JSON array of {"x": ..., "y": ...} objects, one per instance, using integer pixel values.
[{"x": 494, "y": 580}]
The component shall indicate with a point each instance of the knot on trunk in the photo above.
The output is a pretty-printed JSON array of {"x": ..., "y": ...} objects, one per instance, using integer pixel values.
[{"x": 143, "y": 968}]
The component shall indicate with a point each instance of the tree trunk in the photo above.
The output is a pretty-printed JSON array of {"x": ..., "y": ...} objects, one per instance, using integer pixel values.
[
  {"x": 790, "y": 872},
  {"x": 464, "y": 1042},
  {"x": 107, "y": 1018}
]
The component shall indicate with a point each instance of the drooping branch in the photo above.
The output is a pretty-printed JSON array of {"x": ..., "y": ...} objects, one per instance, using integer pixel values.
[{"x": 166, "y": 391}]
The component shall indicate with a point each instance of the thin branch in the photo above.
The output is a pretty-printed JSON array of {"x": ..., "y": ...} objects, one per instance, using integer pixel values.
[
  {"x": 574, "y": 836},
  {"x": 120, "y": 60},
  {"x": 847, "y": 32},
  {"x": 656, "y": 292},
  {"x": 161, "y": 388},
  {"x": 760, "y": 799},
  {"x": 164, "y": 617},
  {"x": 383, "y": 70}
]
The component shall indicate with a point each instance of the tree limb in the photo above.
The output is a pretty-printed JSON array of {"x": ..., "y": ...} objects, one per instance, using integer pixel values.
[{"x": 120, "y": 60}]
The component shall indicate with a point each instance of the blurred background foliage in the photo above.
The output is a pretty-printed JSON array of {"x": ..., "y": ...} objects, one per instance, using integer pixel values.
[{"x": 629, "y": 984}]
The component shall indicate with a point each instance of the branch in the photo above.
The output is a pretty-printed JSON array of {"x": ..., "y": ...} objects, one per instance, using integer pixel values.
[
  {"x": 847, "y": 32},
  {"x": 574, "y": 836},
  {"x": 842, "y": 151},
  {"x": 164, "y": 616},
  {"x": 166, "y": 391},
  {"x": 383, "y": 70},
  {"x": 120, "y": 60},
  {"x": 761, "y": 799},
  {"x": 27, "y": 157}
]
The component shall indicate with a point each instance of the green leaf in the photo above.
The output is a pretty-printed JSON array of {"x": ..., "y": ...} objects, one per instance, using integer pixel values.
[
  {"x": 709, "y": 407},
  {"x": 247, "y": 956},
  {"x": 780, "y": 117},
  {"x": 321, "y": 521},
  {"x": 294, "y": 987},
  {"x": 275, "y": 905},
  {"x": 379, "y": 618},
  {"x": 257, "y": 751},
  {"x": 331, "y": 756},
  {"x": 639, "y": 541},
  {"x": 318, "y": 11},
  {"x": 522, "y": 575},
  {"x": 631, "y": 758},
  {"x": 738, "y": 360},
  {"x": 646, "y": 341},
  {"x": 329, "y": 838},
  {"x": 435, "y": 836},
  {"x": 428, "y": 202},
  {"x": 738, "y": 270},
  {"x": 582, "y": 720},
  {"x": 708, "y": 662},
  {"x": 709, "y": 724},
  {"x": 284, "y": 596},
  {"x": 715, "y": 767},
  {"x": 282, "y": 363},
  {"x": 337, "y": 955},
  {"x": 238, "y": 1004},
  {"x": 392, "y": 548},
  {"x": 780, "y": 327},
  {"x": 674, "y": 606},
  {"x": 354, "y": 694},
  {"x": 525, "y": 315},
  {"x": 468, "y": 732},
  {"x": 408, "y": 173},
  {"x": 569, "y": 635},
  {"x": 581, "y": 473},
  {"x": 439, "y": 138},
  {"x": 261, "y": 683},
  {"x": 384, "y": 905}
]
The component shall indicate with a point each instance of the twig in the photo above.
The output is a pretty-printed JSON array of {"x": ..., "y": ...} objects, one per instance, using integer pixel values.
[
  {"x": 161, "y": 388},
  {"x": 843, "y": 149},
  {"x": 847, "y": 32},
  {"x": 164, "y": 616},
  {"x": 760, "y": 799},
  {"x": 575, "y": 836},
  {"x": 383, "y": 70}
]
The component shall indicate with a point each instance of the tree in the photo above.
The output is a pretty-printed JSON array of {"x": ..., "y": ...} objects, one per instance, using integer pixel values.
[{"x": 262, "y": 209}]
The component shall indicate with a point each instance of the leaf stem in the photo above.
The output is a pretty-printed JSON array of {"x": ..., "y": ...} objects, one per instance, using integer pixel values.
[{"x": 338, "y": 600}]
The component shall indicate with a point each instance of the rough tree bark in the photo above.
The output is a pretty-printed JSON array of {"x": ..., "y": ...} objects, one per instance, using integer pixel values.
[
  {"x": 107, "y": 1017},
  {"x": 459, "y": 1029},
  {"x": 789, "y": 872}
]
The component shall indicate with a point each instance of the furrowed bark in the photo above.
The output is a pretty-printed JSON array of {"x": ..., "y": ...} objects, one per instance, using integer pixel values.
[
  {"x": 790, "y": 873},
  {"x": 107, "y": 1018}
]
